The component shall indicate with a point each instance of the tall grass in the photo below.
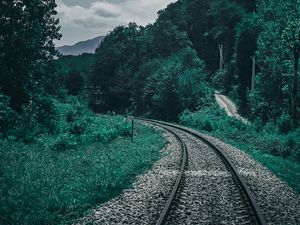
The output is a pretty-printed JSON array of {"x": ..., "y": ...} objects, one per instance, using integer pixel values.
[
  {"x": 280, "y": 152},
  {"x": 57, "y": 178}
]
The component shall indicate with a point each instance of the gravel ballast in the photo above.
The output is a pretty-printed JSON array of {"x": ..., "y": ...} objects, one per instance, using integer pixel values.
[
  {"x": 142, "y": 203},
  {"x": 279, "y": 203},
  {"x": 208, "y": 194}
]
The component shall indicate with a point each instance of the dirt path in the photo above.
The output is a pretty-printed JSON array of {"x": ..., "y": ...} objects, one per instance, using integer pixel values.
[{"x": 230, "y": 108}]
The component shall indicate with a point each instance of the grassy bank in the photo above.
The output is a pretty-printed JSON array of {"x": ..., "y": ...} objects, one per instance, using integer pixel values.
[
  {"x": 57, "y": 178},
  {"x": 277, "y": 151}
]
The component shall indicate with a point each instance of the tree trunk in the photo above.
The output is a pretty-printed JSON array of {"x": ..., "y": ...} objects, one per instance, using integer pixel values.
[{"x": 295, "y": 87}]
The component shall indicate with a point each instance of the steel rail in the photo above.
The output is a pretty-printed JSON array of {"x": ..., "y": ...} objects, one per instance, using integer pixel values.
[
  {"x": 165, "y": 213},
  {"x": 241, "y": 181}
]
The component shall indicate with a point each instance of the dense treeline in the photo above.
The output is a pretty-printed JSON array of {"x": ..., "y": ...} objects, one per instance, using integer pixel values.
[
  {"x": 158, "y": 70},
  {"x": 149, "y": 70},
  {"x": 28, "y": 69},
  {"x": 32, "y": 80},
  {"x": 135, "y": 72}
]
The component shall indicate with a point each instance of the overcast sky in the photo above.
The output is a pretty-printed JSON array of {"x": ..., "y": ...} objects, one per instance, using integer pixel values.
[{"x": 85, "y": 19}]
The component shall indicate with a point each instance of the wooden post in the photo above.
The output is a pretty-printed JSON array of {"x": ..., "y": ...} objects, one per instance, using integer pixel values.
[
  {"x": 132, "y": 128},
  {"x": 221, "y": 57},
  {"x": 253, "y": 74}
]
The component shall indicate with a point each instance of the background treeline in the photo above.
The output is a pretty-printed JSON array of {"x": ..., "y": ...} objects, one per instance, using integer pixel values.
[
  {"x": 58, "y": 159},
  {"x": 172, "y": 65},
  {"x": 158, "y": 70},
  {"x": 169, "y": 70}
]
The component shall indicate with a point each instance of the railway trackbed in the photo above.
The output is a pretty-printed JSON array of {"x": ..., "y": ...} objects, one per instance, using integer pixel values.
[
  {"x": 240, "y": 204},
  {"x": 193, "y": 184}
]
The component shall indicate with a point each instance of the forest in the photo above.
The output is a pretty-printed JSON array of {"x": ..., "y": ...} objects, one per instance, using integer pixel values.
[
  {"x": 168, "y": 70},
  {"x": 175, "y": 61}
]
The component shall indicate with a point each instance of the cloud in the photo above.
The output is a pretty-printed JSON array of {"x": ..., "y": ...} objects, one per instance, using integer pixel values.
[
  {"x": 92, "y": 18},
  {"x": 105, "y": 9}
]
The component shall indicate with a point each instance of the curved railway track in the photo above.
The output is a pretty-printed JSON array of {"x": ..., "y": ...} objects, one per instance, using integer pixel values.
[{"x": 246, "y": 206}]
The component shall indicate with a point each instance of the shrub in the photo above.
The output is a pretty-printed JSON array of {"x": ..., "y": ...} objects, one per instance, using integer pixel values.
[
  {"x": 7, "y": 115},
  {"x": 284, "y": 123},
  {"x": 74, "y": 82},
  {"x": 58, "y": 179},
  {"x": 64, "y": 142}
]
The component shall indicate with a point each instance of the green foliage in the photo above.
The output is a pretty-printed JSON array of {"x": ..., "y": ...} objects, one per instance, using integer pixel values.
[
  {"x": 148, "y": 70},
  {"x": 6, "y": 114},
  {"x": 35, "y": 118},
  {"x": 275, "y": 146},
  {"x": 117, "y": 60},
  {"x": 74, "y": 82},
  {"x": 221, "y": 80},
  {"x": 212, "y": 23},
  {"x": 76, "y": 124},
  {"x": 63, "y": 143},
  {"x": 285, "y": 123},
  {"x": 27, "y": 66},
  {"x": 177, "y": 83},
  {"x": 59, "y": 178},
  {"x": 168, "y": 39},
  {"x": 291, "y": 34},
  {"x": 27, "y": 30},
  {"x": 82, "y": 63},
  {"x": 246, "y": 35},
  {"x": 127, "y": 52},
  {"x": 272, "y": 95}
]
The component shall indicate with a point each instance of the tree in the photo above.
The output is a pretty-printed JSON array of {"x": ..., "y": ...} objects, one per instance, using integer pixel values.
[
  {"x": 27, "y": 31},
  {"x": 117, "y": 60},
  {"x": 211, "y": 23},
  {"x": 245, "y": 46},
  {"x": 272, "y": 97},
  {"x": 176, "y": 83},
  {"x": 74, "y": 82},
  {"x": 291, "y": 37},
  {"x": 249, "y": 5},
  {"x": 168, "y": 39}
]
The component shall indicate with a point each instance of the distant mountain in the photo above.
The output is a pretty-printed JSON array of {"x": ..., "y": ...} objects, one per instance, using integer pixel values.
[{"x": 88, "y": 46}]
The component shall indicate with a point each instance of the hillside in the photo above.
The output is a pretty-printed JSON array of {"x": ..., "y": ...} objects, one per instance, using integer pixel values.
[{"x": 88, "y": 46}]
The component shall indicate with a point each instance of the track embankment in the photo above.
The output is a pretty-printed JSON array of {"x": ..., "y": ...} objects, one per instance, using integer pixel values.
[{"x": 207, "y": 193}]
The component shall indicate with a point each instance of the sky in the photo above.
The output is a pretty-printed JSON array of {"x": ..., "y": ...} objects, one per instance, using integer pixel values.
[{"x": 85, "y": 19}]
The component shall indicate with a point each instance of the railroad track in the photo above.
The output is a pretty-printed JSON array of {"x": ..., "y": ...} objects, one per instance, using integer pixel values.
[{"x": 246, "y": 210}]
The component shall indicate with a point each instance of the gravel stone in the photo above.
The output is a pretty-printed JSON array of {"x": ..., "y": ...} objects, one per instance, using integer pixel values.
[
  {"x": 208, "y": 193},
  {"x": 142, "y": 203},
  {"x": 279, "y": 203}
]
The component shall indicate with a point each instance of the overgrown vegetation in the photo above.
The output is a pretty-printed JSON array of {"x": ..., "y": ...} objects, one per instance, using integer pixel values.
[
  {"x": 57, "y": 158},
  {"x": 57, "y": 178},
  {"x": 270, "y": 144}
]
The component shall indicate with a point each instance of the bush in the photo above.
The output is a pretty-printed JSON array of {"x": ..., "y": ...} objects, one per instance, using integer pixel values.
[
  {"x": 219, "y": 80},
  {"x": 74, "y": 82},
  {"x": 7, "y": 115},
  {"x": 284, "y": 123},
  {"x": 64, "y": 142},
  {"x": 60, "y": 177}
]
